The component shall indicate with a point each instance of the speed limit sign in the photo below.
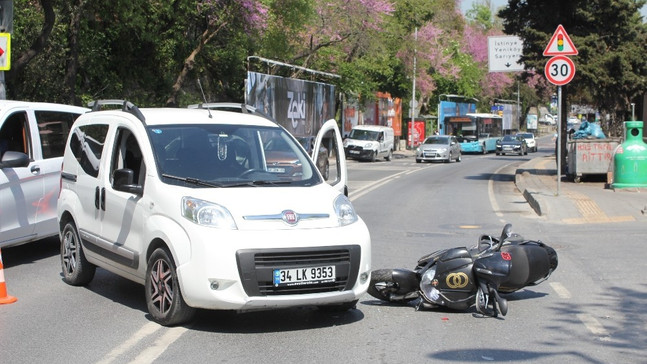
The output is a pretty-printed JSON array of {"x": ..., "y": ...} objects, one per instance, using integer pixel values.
[{"x": 559, "y": 70}]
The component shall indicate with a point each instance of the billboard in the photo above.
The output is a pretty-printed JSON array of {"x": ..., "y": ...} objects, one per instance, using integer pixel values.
[
  {"x": 299, "y": 106},
  {"x": 384, "y": 110}
]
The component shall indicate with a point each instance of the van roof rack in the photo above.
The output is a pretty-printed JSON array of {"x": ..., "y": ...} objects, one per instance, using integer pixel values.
[
  {"x": 233, "y": 107},
  {"x": 126, "y": 106}
]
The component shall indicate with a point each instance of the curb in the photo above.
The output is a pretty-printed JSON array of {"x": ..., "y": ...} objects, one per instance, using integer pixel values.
[{"x": 531, "y": 196}]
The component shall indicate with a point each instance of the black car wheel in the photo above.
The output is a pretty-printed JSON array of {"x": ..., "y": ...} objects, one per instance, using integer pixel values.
[
  {"x": 163, "y": 297},
  {"x": 77, "y": 271},
  {"x": 385, "y": 288}
]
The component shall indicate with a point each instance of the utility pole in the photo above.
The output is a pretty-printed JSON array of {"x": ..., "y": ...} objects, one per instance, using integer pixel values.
[{"x": 413, "y": 94}]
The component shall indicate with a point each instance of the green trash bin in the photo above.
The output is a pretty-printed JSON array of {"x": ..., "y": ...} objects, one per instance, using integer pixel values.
[{"x": 630, "y": 159}]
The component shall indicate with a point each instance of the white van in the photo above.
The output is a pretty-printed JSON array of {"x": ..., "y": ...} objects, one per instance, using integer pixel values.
[
  {"x": 209, "y": 209},
  {"x": 32, "y": 141},
  {"x": 369, "y": 142}
]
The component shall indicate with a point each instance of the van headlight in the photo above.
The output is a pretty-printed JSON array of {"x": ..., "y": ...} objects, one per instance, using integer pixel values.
[
  {"x": 345, "y": 212},
  {"x": 207, "y": 213}
]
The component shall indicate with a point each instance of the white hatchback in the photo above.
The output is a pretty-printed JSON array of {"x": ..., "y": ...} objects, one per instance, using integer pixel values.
[{"x": 188, "y": 203}]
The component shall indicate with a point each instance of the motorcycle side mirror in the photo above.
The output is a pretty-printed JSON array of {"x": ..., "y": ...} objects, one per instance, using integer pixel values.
[{"x": 506, "y": 233}]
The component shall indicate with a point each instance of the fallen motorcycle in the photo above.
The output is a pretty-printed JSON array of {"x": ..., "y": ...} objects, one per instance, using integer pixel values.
[{"x": 458, "y": 278}]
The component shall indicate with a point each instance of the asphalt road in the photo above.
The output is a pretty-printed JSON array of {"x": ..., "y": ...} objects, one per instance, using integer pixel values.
[{"x": 589, "y": 311}]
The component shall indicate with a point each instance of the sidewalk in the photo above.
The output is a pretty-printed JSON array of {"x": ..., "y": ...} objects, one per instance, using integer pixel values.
[{"x": 577, "y": 203}]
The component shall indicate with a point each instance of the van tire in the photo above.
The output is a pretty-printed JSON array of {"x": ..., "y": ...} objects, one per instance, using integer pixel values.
[
  {"x": 389, "y": 156},
  {"x": 76, "y": 269},
  {"x": 374, "y": 156},
  {"x": 162, "y": 290}
]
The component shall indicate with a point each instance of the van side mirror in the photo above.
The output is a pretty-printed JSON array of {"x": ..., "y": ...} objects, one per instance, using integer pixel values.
[
  {"x": 123, "y": 180},
  {"x": 11, "y": 159}
]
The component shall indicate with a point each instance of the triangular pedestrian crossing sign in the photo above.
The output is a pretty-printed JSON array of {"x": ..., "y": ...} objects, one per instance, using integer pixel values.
[{"x": 560, "y": 44}]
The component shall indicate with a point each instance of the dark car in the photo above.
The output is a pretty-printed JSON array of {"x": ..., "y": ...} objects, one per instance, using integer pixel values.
[
  {"x": 511, "y": 144},
  {"x": 323, "y": 165}
]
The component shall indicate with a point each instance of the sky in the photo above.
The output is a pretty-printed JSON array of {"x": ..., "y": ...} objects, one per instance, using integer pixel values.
[{"x": 467, "y": 5}]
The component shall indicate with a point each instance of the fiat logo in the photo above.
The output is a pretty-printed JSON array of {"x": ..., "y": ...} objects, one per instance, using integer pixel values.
[{"x": 290, "y": 217}]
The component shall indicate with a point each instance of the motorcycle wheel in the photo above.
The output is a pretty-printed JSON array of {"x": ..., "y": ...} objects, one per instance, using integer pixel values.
[{"x": 383, "y": 287}]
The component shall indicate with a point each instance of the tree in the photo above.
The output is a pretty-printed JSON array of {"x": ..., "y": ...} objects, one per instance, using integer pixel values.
[
  {"x": 39, "y": 42},
  {"x": 219, "y": 14},
  {"x": 610, "y": 38}
]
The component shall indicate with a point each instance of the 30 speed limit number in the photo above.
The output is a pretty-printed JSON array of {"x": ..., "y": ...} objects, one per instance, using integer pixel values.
[{"x": 559, "y": 70}]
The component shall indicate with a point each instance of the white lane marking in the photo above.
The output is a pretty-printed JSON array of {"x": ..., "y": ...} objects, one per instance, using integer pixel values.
[
  {"x": 592, "y": 324},
  {"x": 374, "y": 185},
  {"x": 150, "y": 354},
  {"x": 490, "y": 192},
  {"x": 561, "y": 291},
  {"x": 146, "y": 330}
]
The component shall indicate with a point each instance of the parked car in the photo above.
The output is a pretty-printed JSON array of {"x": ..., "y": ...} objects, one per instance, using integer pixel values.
[
  {"x": 323, "y": 164},
  {"x": 511, "y": 144},
  {"x": 176, "y": 203},
  {"x": 370, "y": 142},
  {"x": 32, "y": 140},
  {"x": 439, "y": 148},
  {"x": 531, "y": 142}
]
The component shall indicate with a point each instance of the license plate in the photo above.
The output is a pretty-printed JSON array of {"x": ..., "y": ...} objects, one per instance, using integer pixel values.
[
  {"x": 298, "y": 276},
  {"x": 276, "y": 170},
  {"x": 507, "y": 147},
  {"x": 354, "y": 152}
]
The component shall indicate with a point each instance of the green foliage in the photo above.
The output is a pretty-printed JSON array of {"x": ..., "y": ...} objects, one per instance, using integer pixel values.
[
  {"x": 481, "y": 15},
  {"x": 611, "y": 40},
  {"x": 136, "y": 49}
]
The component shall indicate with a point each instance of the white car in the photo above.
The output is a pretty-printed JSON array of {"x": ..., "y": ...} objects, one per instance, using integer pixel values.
[
  {"x": 32, "y": 139},
  {"x": 185, "y": 202},
  {"x": 530, "y": 141}
]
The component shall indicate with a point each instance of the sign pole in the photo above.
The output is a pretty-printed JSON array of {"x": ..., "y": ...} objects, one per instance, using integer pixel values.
[
  {"x": 559, "y": 138},
  {"x": 413, "y": 93}
]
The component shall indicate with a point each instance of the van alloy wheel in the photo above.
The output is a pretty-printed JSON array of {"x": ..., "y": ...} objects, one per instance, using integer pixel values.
[
  {"x": 76, "y": 269},
  {"x": 163, "y": 297}
]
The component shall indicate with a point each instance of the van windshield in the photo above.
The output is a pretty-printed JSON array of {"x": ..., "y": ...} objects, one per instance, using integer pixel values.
[
  {"x": 230, "y": 155},
  {"x": 359, "y": 134}
]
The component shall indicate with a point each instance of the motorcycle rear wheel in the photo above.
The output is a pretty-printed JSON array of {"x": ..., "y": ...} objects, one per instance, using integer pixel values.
[{"x": 385, "y": 288}]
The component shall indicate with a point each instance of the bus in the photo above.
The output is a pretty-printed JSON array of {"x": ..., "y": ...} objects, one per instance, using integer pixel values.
[{"x": 476, "y": 132}]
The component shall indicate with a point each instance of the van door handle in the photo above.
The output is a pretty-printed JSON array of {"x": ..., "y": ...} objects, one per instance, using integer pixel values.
[
  {"x": 35, "y": 169},
  {"x": 97, "y": 196},
  {"x": 103, "y": 199}
]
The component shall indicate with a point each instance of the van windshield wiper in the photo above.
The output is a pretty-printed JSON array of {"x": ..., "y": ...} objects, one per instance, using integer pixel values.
[
  {"x": 257, "y": 183},
  {"x": 193, "y": 181}
]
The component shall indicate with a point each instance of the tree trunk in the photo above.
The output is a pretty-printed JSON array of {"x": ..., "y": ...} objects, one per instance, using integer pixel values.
[
  {"x": 189, "y": 62},
  {"x": 73, "y": 55},
  {"x": 39, "y": 43}
]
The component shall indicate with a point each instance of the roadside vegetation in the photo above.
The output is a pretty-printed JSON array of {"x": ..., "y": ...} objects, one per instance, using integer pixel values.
[{"x": 153, "y": 52}]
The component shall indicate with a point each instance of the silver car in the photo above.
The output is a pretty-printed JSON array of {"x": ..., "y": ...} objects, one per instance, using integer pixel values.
[{"x": 439, "y": 148}]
